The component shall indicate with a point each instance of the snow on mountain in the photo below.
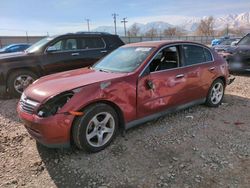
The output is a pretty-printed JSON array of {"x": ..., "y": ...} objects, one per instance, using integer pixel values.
[
  {"x": 160, "y": 26},
  {"x": 189, "y": 24}
]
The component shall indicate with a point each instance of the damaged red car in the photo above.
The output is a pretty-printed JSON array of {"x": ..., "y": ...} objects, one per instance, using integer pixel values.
[{"x": 134, "y": 84}]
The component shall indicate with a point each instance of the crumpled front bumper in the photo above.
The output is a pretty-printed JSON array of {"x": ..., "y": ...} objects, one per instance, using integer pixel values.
[{"x": 53, "y": 132}]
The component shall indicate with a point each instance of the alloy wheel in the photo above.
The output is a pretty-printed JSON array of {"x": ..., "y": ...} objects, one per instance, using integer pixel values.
[
  {"x": 22, "y": 82},
  {"x": 100, "y": 129},
  {"x": 217, "y": 93}
]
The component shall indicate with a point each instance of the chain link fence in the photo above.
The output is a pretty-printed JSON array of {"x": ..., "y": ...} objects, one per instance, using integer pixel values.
[{"x": 6, "y": 40}]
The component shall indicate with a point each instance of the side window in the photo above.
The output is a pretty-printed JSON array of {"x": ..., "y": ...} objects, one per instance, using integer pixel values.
[
  {"x": 193, "y": 54},
  {"x": 64, "y": 45},
  {"x": 58, "y": 46},
  {"x": 208, "y": 55},
  {"x": 14, "y": 49},
  {"x": 168, "y": 58},
  {"x": 91, "y": 43},
  {"x": 70, "y": 44}
]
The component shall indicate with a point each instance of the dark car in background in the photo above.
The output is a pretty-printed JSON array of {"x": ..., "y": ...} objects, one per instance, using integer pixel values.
[
  {"x": 53, "y": 54},
  {"x": 225, "y": 44},
  {"x": 14, "y": 48},
  {"x": 238, "y": 57}
]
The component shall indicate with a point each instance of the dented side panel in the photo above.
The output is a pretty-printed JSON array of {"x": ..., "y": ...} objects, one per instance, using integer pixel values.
[{"x": 121, "y": 93}]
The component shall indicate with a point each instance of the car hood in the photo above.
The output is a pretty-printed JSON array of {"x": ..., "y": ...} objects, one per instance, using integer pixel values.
[
  {"x": 54, "y": 84},
  {"x": 12, "y": 56}
]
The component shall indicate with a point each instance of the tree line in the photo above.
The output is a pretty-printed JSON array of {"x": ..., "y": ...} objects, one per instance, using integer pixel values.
[{"x": 204, "y": 28}]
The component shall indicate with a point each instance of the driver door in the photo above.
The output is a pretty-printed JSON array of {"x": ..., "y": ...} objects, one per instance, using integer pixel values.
[
  {"x": 63, "y": 55},
  {"x": 164, "y": 84}
]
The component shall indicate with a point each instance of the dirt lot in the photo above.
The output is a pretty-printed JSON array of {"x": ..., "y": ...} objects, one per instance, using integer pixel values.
[{"x": 197, "y": 147}]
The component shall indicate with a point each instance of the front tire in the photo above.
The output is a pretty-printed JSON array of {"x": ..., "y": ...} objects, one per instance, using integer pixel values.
[
  {"x": 19, "y": 80},
  {"x": 216, "y": 93},
  {"x": 96, "y": 129}
]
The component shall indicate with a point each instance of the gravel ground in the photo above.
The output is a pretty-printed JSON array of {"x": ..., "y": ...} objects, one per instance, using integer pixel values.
[{"x": 197, "y": 147}]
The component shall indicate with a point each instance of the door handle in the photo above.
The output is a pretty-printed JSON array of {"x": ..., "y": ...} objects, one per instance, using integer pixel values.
[
  {"x": 179, "y": 76},
  {"x": 104, "y": 51},
  {"x": 212, "y": 68},
  {"x": 75, "y": 54}
]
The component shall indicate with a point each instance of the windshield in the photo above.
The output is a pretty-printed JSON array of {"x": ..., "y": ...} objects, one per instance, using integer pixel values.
[
  {"x": 245, "y": 40},
  {"x": 35, "y": 47},
  {"x": 124, "y": 59},
  {"x": 227, "y": 42}
]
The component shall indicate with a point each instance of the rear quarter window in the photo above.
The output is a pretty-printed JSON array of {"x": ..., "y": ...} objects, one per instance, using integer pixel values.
[
  {"x": 208, "y": 55},
  {"x": 91, "y": 43}
]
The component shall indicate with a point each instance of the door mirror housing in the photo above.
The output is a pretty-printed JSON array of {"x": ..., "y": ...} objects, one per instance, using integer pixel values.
[
  {"x": 51, "y": 49},
  {"x": 235, "y": 43}
]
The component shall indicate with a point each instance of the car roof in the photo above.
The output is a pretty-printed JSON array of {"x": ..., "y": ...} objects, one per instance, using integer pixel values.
[
  {"x": 84, "y": 33},
  {"x": 161, "y": 43}
]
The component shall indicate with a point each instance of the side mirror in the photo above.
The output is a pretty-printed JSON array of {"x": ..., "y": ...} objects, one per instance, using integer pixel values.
[
  {"x": 234, "y": 43},
  {"x": 150, "y": 85},
  {"x": 51, "y": 49}
]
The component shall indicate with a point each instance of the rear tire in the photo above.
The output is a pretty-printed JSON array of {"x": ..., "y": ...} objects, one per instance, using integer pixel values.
[
  {"x": 19, "y": 80},
  {"x": 96, "y": 129},
  {"x": 216, "y": 93}
]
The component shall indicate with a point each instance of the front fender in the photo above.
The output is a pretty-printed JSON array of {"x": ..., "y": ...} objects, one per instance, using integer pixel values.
[{"x": 120, "y": 93}]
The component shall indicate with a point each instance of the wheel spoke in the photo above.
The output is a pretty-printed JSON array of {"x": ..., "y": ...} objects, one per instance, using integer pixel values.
[
  {"x": 92, "y": 134},
  {"x": 106, "y": 119},
  {"x": 107, "y": 130},
  {"x": 213, "y": 97},
  {"x": 100, "y": 139},
  {"x": 17, "y": 87},
  {"x": 29, "y": 79},
  {"x": 19, "y": 79},
  {"x": 95, "y": 121}
]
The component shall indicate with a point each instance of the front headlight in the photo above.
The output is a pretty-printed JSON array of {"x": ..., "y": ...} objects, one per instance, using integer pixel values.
[{"x": 52, "y": 106}]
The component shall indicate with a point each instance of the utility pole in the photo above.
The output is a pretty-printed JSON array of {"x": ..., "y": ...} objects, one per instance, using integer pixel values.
[
  {"x": 227, "y": 30},
  {"x": 27, "y": 36},
  {"x": 88, "y": 20},
  {"x": 124, "y": 21},
  {"x": 114, "y": 17}
]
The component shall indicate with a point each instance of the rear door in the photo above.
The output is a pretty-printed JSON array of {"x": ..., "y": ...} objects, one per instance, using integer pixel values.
[
  {"x": 91, "y": 50},
  {"x": 199, "y": 69},
  {"x": 163, "y": 83}
]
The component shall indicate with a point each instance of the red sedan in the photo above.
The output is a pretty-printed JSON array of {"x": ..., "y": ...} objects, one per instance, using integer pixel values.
[{"x": 134, "y": 84}]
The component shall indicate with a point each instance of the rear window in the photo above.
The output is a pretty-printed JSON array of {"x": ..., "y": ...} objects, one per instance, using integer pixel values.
[{"x": 91, "y": 43}]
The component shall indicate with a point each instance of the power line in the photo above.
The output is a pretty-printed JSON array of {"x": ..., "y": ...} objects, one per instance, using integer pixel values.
[
  {"x": 124, "y": 21},
  {"x": 114, "y": 17},
  {"x": 88, "y": 20}
]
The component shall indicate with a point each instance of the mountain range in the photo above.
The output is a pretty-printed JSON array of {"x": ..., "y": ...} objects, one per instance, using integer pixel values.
[{"x": 188, "y": 24}]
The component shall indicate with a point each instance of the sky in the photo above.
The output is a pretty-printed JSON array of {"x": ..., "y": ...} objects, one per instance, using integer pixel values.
[{"x": 39, "y": 17}]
